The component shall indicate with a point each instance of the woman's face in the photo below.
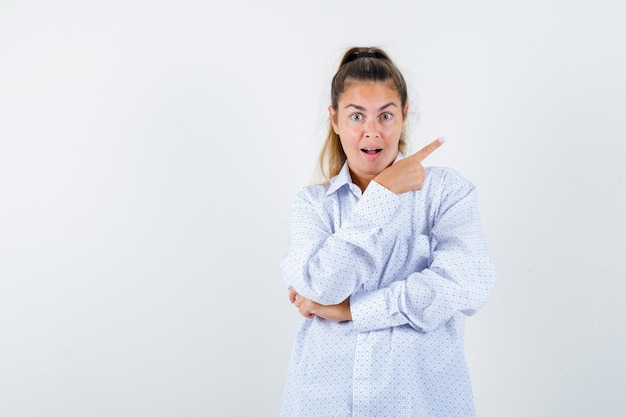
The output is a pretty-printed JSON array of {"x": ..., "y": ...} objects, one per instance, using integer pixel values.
[{"x": 369, "y": 121}]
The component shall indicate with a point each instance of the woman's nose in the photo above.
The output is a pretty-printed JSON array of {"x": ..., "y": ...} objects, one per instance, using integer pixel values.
[{"x": 371, "y": 128}]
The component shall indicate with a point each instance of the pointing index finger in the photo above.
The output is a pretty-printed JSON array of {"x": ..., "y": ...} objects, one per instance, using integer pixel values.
[{"x": 428, "y": 149}]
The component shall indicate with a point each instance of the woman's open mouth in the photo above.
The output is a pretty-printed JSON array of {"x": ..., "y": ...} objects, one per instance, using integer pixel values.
[{"x": 371, "y": 151}]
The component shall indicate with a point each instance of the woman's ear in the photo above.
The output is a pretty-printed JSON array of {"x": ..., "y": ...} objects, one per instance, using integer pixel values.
[{"x": 332, "y": 113}]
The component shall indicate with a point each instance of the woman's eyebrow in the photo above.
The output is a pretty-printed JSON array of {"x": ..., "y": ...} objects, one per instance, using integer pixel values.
[
  {"x": 391, "y": 103},
  {"x": 361, "y": 108}
]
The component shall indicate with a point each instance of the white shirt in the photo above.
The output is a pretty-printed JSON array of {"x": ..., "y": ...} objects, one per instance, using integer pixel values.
[{"x": 413, "y": 265}]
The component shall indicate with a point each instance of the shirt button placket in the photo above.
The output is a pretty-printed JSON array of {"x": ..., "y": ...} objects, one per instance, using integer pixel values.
[{"x": 362, "y": 370}]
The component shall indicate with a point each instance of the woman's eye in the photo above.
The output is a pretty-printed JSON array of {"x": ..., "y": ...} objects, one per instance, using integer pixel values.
[
  {"x": 386, "y": 116},
  {"x": 357, "y": 117}
]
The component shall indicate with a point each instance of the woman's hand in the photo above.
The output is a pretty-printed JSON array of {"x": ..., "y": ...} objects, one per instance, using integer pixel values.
[
  {"x": 408, "y": 173},
  {"x": 309, "y": 309}
]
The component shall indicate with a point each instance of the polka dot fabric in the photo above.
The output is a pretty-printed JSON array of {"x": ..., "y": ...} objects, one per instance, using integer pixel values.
[{"x": 414, "y": 266}]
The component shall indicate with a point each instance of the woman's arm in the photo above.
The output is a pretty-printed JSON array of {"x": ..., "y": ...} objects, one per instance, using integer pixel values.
[
  {"x": 326, "y": 265},
  {"x": 309, "y": 309},
  {"x": 459, "y": 277}
]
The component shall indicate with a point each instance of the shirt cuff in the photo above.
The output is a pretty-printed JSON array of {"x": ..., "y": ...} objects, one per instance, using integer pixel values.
[{"x": 374, "y": 310}]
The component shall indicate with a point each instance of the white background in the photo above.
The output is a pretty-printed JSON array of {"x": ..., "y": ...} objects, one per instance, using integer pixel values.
[{"x": 149, "y": 151}]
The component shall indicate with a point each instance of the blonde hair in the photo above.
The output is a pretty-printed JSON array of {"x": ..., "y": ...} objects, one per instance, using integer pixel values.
[{"x": 358, "y": 64}]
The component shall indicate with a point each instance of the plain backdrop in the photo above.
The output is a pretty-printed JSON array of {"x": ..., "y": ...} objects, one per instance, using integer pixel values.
[{"x": 149, "y": 151}]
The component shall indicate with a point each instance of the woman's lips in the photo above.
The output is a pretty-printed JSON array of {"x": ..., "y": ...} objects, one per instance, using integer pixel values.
[
  {"x": 371, "y": 154},
  {"x": 371, "y": 151}
]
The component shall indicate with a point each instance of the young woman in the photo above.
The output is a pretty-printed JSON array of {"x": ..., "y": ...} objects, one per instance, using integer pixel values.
[{"x": 386, "y": 259}]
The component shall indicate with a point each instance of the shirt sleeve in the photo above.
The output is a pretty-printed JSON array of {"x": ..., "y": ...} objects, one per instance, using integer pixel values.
[
  {"x": 326, "y": 265},
  {"x": 459, "y": 277}
]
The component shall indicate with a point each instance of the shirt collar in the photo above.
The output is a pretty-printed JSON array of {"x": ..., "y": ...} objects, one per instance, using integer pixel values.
[
  {"x": 344, "y": 178},
  {"x": 340, "y": 179}
]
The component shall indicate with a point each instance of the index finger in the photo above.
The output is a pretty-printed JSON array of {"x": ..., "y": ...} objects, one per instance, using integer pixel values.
[{"x": 428, "y": 149}]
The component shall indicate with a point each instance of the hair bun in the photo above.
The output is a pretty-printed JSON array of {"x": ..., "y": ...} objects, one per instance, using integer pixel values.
[{"x": 364, "y": 54}]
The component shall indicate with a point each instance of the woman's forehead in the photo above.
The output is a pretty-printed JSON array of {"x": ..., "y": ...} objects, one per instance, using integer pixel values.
[{"x": 370, "y": 92}]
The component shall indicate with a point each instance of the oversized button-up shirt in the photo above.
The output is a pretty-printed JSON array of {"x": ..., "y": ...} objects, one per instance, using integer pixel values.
[{"x": 413, "y": 265}]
